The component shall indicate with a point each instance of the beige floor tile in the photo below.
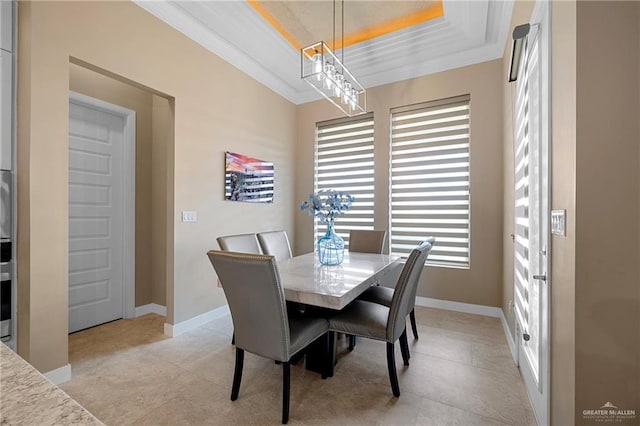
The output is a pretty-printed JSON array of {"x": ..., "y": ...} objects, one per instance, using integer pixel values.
[
  {"x": 123, "y": 386},
  {"x": 477, "y": 327},
  {"x": 190, "y": 347},
  {"x": 494, "y": 357},
  {"x": 461, "y": 372},
  {"x": 437, "y": 342},
  {"x": 435, "y": 413},
  {"x": 478, "y": 390},
  {"x": 200, "y": 402},
  {"x": 345, "y": 399}
]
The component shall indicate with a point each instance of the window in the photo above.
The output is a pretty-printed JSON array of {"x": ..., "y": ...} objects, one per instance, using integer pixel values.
[
  {"x": 344, "y": 162},
  {"x": 429, "y": 173}
]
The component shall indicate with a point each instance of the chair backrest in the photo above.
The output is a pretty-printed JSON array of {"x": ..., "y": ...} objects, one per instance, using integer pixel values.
[
  {"x": 252, "y": 287},
  {"x": 275, "y": 243},
  {"x": 241, "y": 243},
  {"x": 404, "y": 295},
  {"x": 366, "y": 241},
  {"x": 412, "y": 298}
]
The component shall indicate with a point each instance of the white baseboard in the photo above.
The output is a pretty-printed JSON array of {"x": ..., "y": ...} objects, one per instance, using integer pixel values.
[
  {"x": 59, "y": 375},
  {"x": 174, "y": 330},
  {"x": 468, "y": 308},
  {"x": 509, "y": 336},
  {"x": 151, "y": 308}
]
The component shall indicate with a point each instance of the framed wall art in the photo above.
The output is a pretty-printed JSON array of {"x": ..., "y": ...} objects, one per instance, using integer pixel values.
[{"x": 248, "y": 179}]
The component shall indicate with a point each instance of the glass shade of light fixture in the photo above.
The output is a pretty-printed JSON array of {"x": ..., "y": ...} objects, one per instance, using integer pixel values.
[
  {"x": 329, "y": 76},
  {"x": 317, "y": 66},
  {"x": 346, "y": 93},
  {"x": 322, "y": 69}
]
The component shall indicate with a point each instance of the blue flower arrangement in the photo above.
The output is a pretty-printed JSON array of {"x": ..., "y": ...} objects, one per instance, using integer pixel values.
[{"x": 327, "y": 204}]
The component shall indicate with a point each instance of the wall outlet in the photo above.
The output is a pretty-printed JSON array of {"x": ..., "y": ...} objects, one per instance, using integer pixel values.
[
  {"x": 189, "y": 216},
  {"x": 511, "y": 306}
]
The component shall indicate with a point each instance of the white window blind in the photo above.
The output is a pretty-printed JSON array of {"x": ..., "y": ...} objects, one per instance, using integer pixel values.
[
  {"x": 429, "y": 169},
  {"x": 344, "y": 162}
]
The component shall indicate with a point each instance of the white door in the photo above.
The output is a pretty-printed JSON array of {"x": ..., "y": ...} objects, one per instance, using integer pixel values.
[
  {"x": 97, "y": 199},
  {"x": 532, "y": 218}
]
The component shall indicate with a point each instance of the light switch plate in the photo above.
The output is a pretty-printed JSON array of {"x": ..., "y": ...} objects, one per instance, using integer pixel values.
[
  {"x": 189, "y": 216},
  {"x": 559, "y": 222}
]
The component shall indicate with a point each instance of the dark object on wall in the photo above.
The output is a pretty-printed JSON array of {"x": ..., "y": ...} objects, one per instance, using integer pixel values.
[
  {"x": 248, "y": 179},
  {"x": 519, "y": 38}
]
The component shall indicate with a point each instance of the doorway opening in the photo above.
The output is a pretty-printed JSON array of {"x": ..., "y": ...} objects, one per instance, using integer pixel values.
[{"x": 120, "y": 198}]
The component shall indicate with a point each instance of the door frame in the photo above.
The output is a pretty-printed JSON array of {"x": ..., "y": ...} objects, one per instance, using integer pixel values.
[{"x": 129, "y": 195}]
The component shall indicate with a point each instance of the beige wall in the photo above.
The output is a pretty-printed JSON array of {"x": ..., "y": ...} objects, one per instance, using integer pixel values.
[
  {"x": 482, "y": 283},
  {"x": 607, "y": 214},
  {"x": 216, "y": 108},
  {"x": 563, "y": 178},
  {"x": 161, "y": 203},
  {"x": 595, "y": 291},
  {"x": 521, "y": 14}
]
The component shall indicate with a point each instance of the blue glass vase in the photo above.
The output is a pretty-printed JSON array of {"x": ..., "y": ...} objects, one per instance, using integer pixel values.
[{"x": 330, "y": 247}]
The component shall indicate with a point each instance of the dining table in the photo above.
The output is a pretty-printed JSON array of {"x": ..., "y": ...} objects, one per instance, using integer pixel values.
[
  {"x": 305, "y": 280},
  {"x": 332, "y": 287}
]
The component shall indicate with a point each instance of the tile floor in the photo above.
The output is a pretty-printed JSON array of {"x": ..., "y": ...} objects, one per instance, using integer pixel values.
[{"x": 461, "y": 373}]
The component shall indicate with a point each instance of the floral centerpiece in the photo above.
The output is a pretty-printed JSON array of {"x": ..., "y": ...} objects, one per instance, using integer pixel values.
[{"x": 327, "y": 205}]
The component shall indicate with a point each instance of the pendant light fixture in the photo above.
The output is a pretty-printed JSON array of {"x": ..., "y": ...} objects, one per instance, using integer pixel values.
[{"x": 327, "y": 74}]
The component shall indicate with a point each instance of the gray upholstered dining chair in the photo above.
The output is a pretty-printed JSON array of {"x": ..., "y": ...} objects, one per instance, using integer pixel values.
[
  {"x": 384, "y": 296},
  {"x": 275, "y": 243},
  {"x": 379, "y": 322},
  {"x": 251, "y": 284},
  {"x": 241, "y": 243},
  {"x": 366, "y": 241}
]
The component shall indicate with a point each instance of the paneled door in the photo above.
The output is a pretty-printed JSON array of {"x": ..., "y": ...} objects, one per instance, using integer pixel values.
[
  {"x": 97, "y": 200},
  {"x": 531, "y": 257}
]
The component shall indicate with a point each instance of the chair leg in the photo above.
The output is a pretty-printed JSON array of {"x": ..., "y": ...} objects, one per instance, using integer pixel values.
[
  {"x": 404, "y": 347},
  {"x": 237, "y": 374},
  {"x": 233, "y": 338},
  {"x": 286, "y": 386},
  {"x": 393, "y": 375},
  {"x": 352, "y": 341},
  {"x": 414, "y": 327}
]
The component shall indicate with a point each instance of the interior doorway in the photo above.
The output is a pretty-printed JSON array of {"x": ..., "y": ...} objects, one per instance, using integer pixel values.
[{"x": 148, "y": 226}]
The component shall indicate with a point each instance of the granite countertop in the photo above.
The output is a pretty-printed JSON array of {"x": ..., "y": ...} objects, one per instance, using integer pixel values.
[{"x": 28, "y": 398}]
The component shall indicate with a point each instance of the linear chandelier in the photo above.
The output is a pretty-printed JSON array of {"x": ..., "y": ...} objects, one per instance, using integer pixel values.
[{"x": 322, "y": 69}]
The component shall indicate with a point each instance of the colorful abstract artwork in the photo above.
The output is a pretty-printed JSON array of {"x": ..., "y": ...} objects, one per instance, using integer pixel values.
[{"x": 248, "y": 179}]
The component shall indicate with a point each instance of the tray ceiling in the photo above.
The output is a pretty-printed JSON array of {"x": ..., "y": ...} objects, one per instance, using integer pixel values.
[{"x": 385, "y": 41}]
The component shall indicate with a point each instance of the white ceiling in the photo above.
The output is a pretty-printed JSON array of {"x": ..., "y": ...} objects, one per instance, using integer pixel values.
[{"x": 470, "y": 32}]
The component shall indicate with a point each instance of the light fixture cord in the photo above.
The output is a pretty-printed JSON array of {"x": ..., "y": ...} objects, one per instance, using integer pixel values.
[
  {"x": 342, "y": 38},
  {"x": 334, "y": 25}
]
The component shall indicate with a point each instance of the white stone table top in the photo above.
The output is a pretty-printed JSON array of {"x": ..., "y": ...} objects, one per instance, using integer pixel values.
[
  {"x": 28, "y": 398},
  {"x": 306, "y": 281}
]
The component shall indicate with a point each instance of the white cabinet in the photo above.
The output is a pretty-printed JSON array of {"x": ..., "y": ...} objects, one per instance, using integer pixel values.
[
  {"x": 6, "y": 103},
  {"x": 6, "y": 25}
]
